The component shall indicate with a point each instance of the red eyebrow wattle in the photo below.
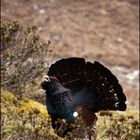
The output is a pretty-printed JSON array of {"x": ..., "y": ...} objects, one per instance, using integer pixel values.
[{"x": 53, "y": 78}]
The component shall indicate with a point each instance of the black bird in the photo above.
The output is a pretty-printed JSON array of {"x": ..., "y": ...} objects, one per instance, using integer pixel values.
[{"x": 73, "y": 82}]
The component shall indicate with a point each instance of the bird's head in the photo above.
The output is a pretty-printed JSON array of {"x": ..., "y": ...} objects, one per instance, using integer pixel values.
[{"x": 46, "y": 80}]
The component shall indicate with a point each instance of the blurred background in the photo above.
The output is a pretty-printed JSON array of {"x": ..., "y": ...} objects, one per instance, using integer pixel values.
[{"x": 106, "y": 31}]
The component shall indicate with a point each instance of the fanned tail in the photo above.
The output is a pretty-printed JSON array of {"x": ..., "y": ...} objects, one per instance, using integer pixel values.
[
  {"x": 109, "y": 92},
  {"x": 93, "y": 85},
  {"x": 69, "y": 72}
]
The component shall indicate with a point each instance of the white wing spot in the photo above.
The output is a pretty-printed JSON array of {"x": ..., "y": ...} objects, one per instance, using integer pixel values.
[{"x": 75, "y": 114}]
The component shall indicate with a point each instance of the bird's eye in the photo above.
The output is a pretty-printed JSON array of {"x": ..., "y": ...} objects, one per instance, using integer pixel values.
[{"x": 75, "y": 114}]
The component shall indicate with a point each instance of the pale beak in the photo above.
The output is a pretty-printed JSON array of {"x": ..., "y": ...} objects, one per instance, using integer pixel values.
[{"x": 46, "y": 78}]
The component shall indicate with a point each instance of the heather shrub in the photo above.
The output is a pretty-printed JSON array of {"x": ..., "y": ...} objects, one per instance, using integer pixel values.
[
  {"x": 122, "y": 125},
  {"x": 23, "y": 57},
  {"x": 24, "y": 119}
]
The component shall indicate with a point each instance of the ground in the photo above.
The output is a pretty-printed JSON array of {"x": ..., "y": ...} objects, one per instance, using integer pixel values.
[{"x": 106, "y": 31}]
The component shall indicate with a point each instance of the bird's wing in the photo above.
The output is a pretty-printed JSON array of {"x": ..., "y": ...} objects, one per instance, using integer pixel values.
[{"x": 91, "y": 84}]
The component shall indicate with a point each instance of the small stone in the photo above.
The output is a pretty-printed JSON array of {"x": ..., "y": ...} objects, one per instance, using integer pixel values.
[
  {"x": 41, "y": 11},
  {"x": 119, "y": 39}
]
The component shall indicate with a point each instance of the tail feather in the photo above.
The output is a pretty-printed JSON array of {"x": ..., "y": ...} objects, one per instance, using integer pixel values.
[
  {"x": 67, "y": 69},
  {"x": 69, "y": 72},
  {"x": 108, "y": 91},
  {"x": 105, "y": 71},
  {"x": 95, "y": 79}
]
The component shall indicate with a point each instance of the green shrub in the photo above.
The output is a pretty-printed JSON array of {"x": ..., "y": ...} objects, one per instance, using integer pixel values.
[
  {"x": 23, "y": 57},
  {"x": 122, "y": 125},
  {"x": 24, "y": 119}
]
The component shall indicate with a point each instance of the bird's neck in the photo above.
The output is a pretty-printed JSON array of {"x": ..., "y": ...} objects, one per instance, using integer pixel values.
[{"x": 55, "y": 88}]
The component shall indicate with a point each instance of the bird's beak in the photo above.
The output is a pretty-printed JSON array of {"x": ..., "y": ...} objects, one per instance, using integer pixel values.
[
  {"x": 46, "y": 78},
  {"x": 44, "y": 81}
]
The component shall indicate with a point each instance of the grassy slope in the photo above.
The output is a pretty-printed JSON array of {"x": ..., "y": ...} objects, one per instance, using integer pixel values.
[{"x": 27, "y": 119}]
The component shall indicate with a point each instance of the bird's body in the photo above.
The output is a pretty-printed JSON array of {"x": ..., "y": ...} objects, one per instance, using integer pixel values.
[
  {"x": 73, "y": 83},
  {"x": 59, "y": 103}
]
